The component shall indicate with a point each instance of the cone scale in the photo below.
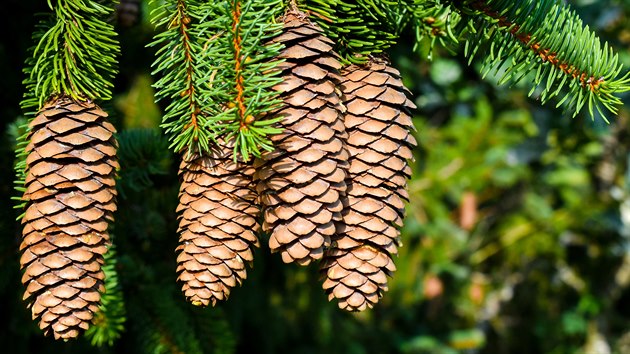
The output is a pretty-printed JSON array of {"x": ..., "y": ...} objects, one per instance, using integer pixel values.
[
  {"x": 218, "y": 225},
  {"x": 302, "y": 181},
  {"x": 378, "y": 123},
  {"x": 70, "y": 194}
]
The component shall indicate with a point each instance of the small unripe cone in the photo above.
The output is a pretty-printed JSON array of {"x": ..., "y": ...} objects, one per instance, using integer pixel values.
[
  {"x": 378, "y": 123},
  {"x": 71, "y": 167},
  {"x": 301, "y": 183},
  {"x": 217, "y": 225}
]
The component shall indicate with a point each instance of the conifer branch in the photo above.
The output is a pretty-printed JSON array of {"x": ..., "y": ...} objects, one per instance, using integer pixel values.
[
  {"x": 522, "y": 37},
  {"x": 231, "y": 73},
  {"x": 75, "y": 54},
  {"x": 163, "y": 324},
  {"x": 245, "y": 65},
  {"x": 433, "y": 20},
  {"x": 183, "y": 75},
  {"x": 359, "y": 27},
  {"x": 214, "y": 327},
  {"x": 255, "y": 74},
  {"x": 546, "y": 55},
  {"x": 109, "y": 322},
  {"x": 142, "y": 156}
]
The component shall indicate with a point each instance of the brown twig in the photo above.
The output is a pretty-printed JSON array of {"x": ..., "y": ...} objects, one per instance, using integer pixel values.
[
  {"x": 183, "y": 22},
  {"x": 238, "y": 66}
]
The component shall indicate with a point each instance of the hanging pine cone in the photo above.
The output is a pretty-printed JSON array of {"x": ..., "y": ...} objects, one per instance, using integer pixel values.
[
  {"x": 71, "y": 167},
  {"x": 302, "y": 181},
  {"x": 379, "y": 125},
  {"x": 217, "y": 225}
]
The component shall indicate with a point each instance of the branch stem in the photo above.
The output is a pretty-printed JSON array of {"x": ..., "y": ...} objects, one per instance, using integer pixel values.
[
  {"x": 238, "y": 66},
  {"x": 183, "y": 21}
]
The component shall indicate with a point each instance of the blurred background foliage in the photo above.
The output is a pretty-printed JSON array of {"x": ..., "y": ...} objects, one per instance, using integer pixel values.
[{"x": 517, "y": 238}]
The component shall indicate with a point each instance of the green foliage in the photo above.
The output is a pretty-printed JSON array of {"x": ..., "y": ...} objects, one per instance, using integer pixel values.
[
  {"x": 165, "y": 326},
  {"x": 109, "y": 322},
  {"x": 218, "y": 72},
  {"x": 75, "y": 54},
  {"x": 432, "y": 20},
  {"x": 359, "y": 27},
  {"x": 546, "y": 230},
  {"x": 522, "y": 37},
  {"x": 244, "y": 61},
  {"x": 517, "y": 39},
  {"x": 185, "y": 76},
  {"x": 139, "y": 107},
  {"x": 142, "y": 156},
  {"x": 19, "y": 134},
  {"x": 214, "y": 331}
]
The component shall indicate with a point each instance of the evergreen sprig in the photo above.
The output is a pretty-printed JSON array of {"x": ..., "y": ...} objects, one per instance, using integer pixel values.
[
  {"x": 218, "y": 70},
  {"x": 244, "y": 60},
  {"x": 75, "y": 54},
  {"x": 109, "y": 322},
  {"x": 215, "y": 330},
  {"x": 522, "y": 37},
  {"x": 359, "y": 27},
  {"x": 430, "y": 19},
  {"x": 516, "y": 38},
  {"x": 183, "y": 76},
  {"x": 19, "y": 167}
]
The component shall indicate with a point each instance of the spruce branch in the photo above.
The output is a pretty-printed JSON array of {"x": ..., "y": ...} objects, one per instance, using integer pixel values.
[
  {"x": 231, "y": 71},
  {"x": 430, "y": 19},
  {"x": 182, "y": 22},
  {"x": 359, "y": 27},
  {"x": 255, "y": 74},
  {"x": 109, "y": 322},
  {"x": 522, "y": 37},
  {"x": 75, "y": 54},
  {"x": 214, "y": 327},
  {"x": 183, "y": 74},
  {"x": 246, "y": 64},
  {"x": 19, "y": 167}
]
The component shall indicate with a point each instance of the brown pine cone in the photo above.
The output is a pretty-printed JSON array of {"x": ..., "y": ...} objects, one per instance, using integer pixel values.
[
  {"x": 378, "y": 122},
  {"x": 71, "y": 167},
  {"x": 301, "y": 183},
  {"x": 217, "y": 225}
]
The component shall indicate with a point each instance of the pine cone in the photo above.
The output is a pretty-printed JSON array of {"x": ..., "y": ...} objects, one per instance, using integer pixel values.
[
  {"x": 302, "y": 181},
  {"x": 378, "y": 123},
  {"x": 71, "y": 167},
  {"x": 217, "y": 225}
]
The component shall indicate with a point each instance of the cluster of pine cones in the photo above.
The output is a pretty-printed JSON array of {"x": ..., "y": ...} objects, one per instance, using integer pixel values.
[{"x": 332, "y": 190}]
